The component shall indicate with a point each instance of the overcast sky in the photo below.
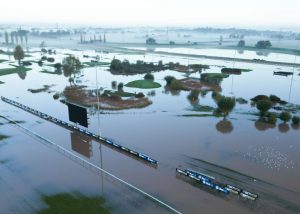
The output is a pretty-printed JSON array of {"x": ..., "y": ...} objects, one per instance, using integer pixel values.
[{"x": 241, "y": 13}]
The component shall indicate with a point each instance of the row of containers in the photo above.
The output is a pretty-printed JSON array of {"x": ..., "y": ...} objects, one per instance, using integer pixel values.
[
  {"x": 202, "y": 178},
  {"x": 210, "y": 182},
  {"x": 69, "y": 126}
]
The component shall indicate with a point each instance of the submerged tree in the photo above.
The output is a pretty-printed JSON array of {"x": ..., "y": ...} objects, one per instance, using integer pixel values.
[
  {"x": 285, "y": 116},
  {"x": 19, "y": 53},
  {"x": 71, "y": 65},
  {"x": 263, "y": 106},
  {"x": 226, "y": 105}
]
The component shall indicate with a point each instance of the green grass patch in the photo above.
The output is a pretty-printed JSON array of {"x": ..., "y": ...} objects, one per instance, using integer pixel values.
[
  {"x": 144, "y": 84},
  {"x": 197, "y": 115},
  {"x": 16, "y": 69},
  {"x": 119, "y": 93},
  {"x": 65, "y": 203},
  {"x": 93, "y": 64},
  {"x": 201, "y": 108},
  {"x": 3, "y": 60}
]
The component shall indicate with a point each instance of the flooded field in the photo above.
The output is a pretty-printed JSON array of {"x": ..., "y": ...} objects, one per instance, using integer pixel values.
[{"x": 240, "y": 150}]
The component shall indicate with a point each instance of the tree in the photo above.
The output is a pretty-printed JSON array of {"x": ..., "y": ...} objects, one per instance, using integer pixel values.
[
  {"x": 263, "y": 44},
  {"x": 296, "y": 120},
  {"x": 120, "y": 86},
  {"x": 19, "y": 53},
  {"x": 150, "y": 41},
  {"x": 116, "y": 65},
  {"x": 149, "y": 76},
  {"x": 285, "y": 116},
  {"x": 71, "y": 65},
  {"x": 241, "y": 43},
  {"x": 169, "y": 79},
  {"x": 263, "y": 106},
  {"x": 226, "y": 105}
]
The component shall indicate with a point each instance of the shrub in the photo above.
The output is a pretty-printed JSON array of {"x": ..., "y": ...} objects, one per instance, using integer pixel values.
[
  {"x": 263, "y": 106},
  {"x": 56, "y": 96},
  {"x": 120, "y": 86},
  {"x": 226, "y": 105},
  {"x": 296, "y": 120},
  {"x": 169, "y": 79},
  {"x": 44, "y": 58},
  {"x": 50, "y": 59},
  {"x": 285, "y": 116},
  {"x": 58, "y": 66},
  {"x": 40, "y": 63},
  {"x": 139, "y": 95},
  {"x": 149, "y": 76}
]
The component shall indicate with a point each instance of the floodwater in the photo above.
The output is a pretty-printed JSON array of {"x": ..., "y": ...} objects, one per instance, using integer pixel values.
[
  {"x": 240, "y": 54},
  {"x": 247, "y": 154}
]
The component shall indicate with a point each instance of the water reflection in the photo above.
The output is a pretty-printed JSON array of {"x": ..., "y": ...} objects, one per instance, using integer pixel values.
[
  {"x": 262, "y": 53},
  {"x": 295, "y": 127},
  {"x": 224, "y": 126},
  {"x": 81, "y": 144},
  {"x": 241, "y": 51},
  {"x": 22, "y": 75},
  {"x": 283, "y": 128},
  {"x": 263, "y": 126}
]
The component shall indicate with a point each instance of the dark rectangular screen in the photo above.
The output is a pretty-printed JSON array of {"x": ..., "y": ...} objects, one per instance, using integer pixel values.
[{"x": 78, "y": 114}]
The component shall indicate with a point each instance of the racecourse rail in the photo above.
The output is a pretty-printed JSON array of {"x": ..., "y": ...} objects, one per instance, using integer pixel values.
[
  {"x": 83, "y": 162},
  {"x": 108, "y": 142}
]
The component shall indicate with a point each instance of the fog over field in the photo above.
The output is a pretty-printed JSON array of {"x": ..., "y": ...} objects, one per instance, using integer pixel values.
[{"x": 230, "y": 13}]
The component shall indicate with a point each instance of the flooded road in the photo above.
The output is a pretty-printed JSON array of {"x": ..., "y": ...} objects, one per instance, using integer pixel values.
[{"x": 248, "y": 154}]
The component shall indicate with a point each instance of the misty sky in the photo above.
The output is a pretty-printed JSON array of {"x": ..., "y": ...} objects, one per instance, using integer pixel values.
[{"x": 242, "y": 13}]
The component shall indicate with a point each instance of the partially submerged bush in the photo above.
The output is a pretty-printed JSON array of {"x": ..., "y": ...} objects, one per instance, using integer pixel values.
[
  {"x": 226, "y": 105},
  {"x": 139, "y": 95},
  {"x": 120, "y": 86},
  {"x": 296, "y": 120},
  {"x": 169, "y": 79},
  {"x": 285, "y": 116},
  {"x": 263, "y": 106},
  {"x": 50, "y": 59},
  {"x": 149, "y": 76}
]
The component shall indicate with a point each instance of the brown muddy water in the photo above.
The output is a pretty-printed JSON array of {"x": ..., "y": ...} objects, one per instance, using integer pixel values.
[{"x": 245, "y": 153}]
